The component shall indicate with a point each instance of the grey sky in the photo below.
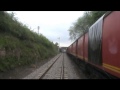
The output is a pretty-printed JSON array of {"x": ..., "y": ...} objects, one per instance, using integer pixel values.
[{"x": 53, "y": 24}]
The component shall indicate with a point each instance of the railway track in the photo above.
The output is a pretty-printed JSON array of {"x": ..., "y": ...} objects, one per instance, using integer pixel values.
[
  {"x": 54, "y": 69},
  {"x": 61, "y": 71},
  {"x": 59, "y": 67}
]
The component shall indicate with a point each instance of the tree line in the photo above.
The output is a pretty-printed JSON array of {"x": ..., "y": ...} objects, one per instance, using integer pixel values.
[{"x": 83, "y": 23}]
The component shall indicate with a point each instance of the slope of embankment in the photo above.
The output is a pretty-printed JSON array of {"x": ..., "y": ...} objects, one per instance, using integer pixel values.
[{"x": 19, "y": 46}]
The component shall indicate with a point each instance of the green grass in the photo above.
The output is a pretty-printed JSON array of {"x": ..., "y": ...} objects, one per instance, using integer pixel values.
[{"x": 20, "y": 45}]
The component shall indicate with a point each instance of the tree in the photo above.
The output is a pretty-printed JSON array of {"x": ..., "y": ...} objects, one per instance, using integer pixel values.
[
  {"x": 56, "y": 44},
  {"x": 96, "y": 15},
  {"x": 83, "y": 23}
]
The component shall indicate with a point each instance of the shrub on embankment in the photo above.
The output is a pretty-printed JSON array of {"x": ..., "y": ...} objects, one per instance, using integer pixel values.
[{"x": 19, "y": 46}]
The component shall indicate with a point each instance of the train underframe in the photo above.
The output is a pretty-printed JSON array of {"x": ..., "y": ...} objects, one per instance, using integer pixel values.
[{"x": 91, "y": 71}]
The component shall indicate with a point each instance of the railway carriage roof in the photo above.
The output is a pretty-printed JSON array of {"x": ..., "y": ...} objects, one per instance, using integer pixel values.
[{"x": 107, "y": 13}]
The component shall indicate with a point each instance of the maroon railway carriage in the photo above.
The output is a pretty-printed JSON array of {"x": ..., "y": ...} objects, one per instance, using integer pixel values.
[
  {"x": 100, "y": 46},
  {"x": 80, "y": 47}
]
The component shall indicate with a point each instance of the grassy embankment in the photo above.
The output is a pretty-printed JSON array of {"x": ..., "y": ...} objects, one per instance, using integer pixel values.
[{"x": 19, "y": 46}]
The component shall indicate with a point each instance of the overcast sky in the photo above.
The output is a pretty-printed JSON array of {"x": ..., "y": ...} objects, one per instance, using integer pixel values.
[{"x": 53, "y": 24}]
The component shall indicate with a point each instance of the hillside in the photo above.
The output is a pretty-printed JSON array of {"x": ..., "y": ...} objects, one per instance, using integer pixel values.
[{"x": 19, "y": 46}]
